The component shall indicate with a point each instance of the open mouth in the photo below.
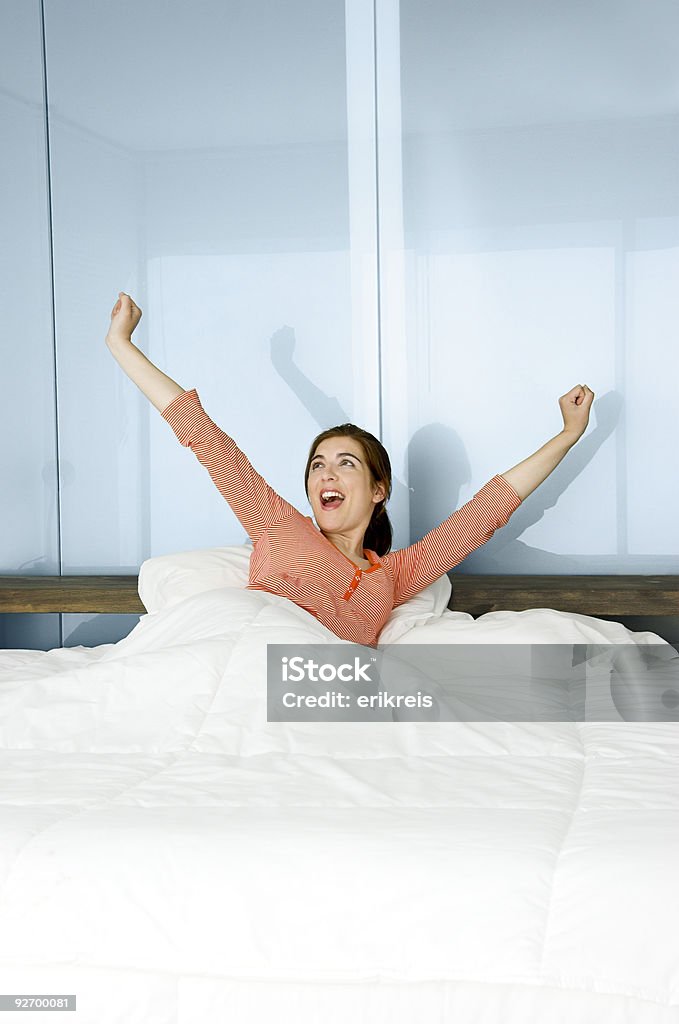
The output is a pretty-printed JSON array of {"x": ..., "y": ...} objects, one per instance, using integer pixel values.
[{"x": 331, "y": 499}]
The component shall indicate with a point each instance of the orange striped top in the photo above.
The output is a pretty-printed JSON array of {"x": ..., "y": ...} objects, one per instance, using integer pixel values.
[{"x": 293, "y": 559}]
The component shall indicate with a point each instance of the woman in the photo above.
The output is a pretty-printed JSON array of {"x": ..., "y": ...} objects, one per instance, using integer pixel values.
[{"x": 343, "y": 573}]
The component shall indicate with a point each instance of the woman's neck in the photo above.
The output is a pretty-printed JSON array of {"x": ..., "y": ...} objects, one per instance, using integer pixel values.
[{"x": 350, "y": 547}]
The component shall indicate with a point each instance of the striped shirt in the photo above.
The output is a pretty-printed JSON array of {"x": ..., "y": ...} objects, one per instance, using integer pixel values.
[{"x": 293, "y": 559}]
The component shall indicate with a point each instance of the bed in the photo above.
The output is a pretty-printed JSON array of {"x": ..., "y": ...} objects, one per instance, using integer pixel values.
[{"x": 170, "y": 856}]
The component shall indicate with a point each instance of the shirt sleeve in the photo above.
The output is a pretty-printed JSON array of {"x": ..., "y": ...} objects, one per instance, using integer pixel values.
[
  {"x": 417, "y": 566},
  {"x": 254, "y": 502}
]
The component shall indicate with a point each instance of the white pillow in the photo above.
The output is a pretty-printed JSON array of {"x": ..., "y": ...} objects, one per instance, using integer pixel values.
[
  {"x": 430, "y": 603},
  {"x": 166, "y": 580}
]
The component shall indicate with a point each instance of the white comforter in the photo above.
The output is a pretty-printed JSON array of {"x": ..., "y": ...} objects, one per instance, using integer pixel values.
[{"x": 169, "y": 856}]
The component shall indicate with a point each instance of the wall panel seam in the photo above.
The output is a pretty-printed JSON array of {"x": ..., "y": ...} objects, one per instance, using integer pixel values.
[
  {"x": 380, "y": 388},
  {"x": 50, "y": 247}
]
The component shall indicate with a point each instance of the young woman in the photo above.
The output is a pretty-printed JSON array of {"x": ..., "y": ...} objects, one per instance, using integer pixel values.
[{"x": 344, "y": 572}]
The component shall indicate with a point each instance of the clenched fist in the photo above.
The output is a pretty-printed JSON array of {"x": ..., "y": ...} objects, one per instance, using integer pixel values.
[
  {"x": 125, "y": 316},
  {"x": 575, "y": 406}
]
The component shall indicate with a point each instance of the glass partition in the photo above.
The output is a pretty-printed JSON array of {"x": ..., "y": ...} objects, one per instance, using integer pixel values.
[
  {"x": 432, "y": 220},
  {"x": 540, "y": 205},
  {"x": 205, "y": 169},
  {"x": 29, "y": 511}
]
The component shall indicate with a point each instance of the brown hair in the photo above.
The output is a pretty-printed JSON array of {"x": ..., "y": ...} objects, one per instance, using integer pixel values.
[{"x": 378, "y": 535}]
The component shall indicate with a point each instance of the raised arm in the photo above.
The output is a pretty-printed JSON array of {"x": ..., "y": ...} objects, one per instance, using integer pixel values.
[
  {"x": 530, "y": 473},
  {"x": 417, "y": 566},
  {"x": 158, "y": 388},
  {"x": 255, "y": 503}
]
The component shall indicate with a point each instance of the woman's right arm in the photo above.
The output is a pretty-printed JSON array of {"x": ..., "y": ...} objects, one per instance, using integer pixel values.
[
  {"x": 255, "y": 503},
  {"x": 158, "y": 388}
]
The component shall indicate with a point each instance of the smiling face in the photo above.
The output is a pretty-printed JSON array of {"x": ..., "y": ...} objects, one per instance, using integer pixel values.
[{"x": 341, "y": 488}]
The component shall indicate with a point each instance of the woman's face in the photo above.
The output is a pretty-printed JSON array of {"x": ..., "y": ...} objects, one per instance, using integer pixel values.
[{"x": 341, "y": 489}]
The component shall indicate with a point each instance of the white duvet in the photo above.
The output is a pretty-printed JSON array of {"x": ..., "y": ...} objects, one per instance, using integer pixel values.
[{"x": 169, "y": 856}]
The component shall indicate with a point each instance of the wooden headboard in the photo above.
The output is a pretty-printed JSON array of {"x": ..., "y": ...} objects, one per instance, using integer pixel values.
[{"x": 615, "y": 596}]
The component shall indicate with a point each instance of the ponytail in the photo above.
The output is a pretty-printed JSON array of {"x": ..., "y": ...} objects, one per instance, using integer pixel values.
[{"x": 378, "y": 536}]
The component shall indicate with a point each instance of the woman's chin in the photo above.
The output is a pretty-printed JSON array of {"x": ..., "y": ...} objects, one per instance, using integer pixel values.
[{"x": 329, "y": 517}]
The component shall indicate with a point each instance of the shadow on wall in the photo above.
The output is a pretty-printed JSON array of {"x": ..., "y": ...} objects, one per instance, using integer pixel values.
[
  {"x": 433, "y": 496},
  {"x": 509, "y": 554}
]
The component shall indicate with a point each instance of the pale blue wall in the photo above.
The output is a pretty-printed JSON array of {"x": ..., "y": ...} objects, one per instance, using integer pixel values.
[
  {"x": 503, "y": 224},
  {"x": 29, "y": 511},
  {"x": 541, "y": 226}
]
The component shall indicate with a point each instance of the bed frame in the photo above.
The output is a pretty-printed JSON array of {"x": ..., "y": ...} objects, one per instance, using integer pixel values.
[{"x": 614, "y": 596}]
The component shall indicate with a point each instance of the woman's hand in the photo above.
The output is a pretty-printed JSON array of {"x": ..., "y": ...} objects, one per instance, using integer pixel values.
[
  {"x": 530, "y": 473},
  {"x": 125, "y": 316},
  {"x": 158, "y": 388},
  {"x": 575, "y": 406}
]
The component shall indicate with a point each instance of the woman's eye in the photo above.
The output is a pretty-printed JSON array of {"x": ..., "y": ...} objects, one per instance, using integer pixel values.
[{"x": 344, "y": 462}]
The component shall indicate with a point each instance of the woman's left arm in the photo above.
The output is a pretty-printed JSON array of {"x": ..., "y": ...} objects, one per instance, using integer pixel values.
[{"x": 530, "y": 473}]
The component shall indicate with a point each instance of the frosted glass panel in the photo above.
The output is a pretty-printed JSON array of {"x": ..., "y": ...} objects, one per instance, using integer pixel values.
[
  {"x": 205, "y": 170},
  {"x": 541, "y": 236},
  {"x": 247, "y": 369},
  {"x": 653, "y": 372},
  {"x": 28, "y": 510},
  {"x": 29, "y": 502},
  {"x": 91, "y": 630}
]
